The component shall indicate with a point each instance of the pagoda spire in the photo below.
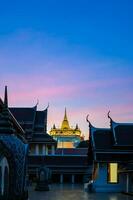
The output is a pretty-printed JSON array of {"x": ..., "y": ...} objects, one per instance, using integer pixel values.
[
  {"x": 65, "y": 116},
  {"x": 6, "y": 125},
  {"x": 77, "y": 126},
  {"x": 6, "y": 98},
  {"x": 65, "y": 123}
]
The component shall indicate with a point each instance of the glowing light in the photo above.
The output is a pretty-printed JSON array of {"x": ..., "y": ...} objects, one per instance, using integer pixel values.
[{"x": 113, "y": 172}]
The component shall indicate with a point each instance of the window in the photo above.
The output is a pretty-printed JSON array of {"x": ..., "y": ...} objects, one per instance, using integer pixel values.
[{"x": 112, "y": 173}]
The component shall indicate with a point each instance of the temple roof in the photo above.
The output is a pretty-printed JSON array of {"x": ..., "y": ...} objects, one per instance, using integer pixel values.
[
  {"x": 114, "y": 144},
  {"x": 40, "y": 121},
  {"x": 41, "y": 118},
  {"x": 117, "y": 156},
  {"x": 30, "y": 119},
  {"x": 24, "y": 114},
  {"x": 8, "y": 123},
  {"x": 123, "y": 134},
  {"x": 58, "y": 161},
  {"x": 34, "y": 123},
  {"x": 102, "y": 138},
  {"x": 43, "y": 138}
]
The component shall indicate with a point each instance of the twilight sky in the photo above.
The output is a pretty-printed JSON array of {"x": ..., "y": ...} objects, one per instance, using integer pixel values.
[{"x": 76, "y": 54}]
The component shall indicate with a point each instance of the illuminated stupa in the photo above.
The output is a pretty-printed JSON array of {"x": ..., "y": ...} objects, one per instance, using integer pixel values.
[{"x": 66, "y": 136}]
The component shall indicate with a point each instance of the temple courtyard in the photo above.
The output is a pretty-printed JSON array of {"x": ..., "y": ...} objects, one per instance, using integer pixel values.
[{"x": 73, "y": 192}]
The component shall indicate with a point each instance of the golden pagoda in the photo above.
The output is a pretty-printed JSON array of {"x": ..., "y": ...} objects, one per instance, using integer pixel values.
[{"x": 66, "y": 136}]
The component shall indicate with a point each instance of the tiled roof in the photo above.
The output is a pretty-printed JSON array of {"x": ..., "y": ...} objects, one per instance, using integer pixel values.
[
  {"x": 102, "y": 139},
  {"x": 114, "y": 156},
  {"x": 41, "y": 118},
  {"x": 42, "y": 137},
  {"x": 41, "y": 121},
  {"x": 31, "y": 119},
  {"x": 8, "y": 121},
  {"x": 24, "y": 114},
  {"x": 123, "y": 134},
  {"x": 58, "y": 160},
  {"x": 34, "y": 122},
  {"x": 109, "y": 144}
]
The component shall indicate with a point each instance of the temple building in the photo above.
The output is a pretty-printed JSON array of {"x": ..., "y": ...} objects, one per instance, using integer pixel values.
[
  {"x": 13, "y": 156},
  {"x": 66, "y": 136},
  {"x": 67, "y": 165},
  {"x": 34, "y": 123},
  {"x": 110, "y": 156}
]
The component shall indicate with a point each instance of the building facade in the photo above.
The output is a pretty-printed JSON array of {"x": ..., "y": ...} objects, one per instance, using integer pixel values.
[
  {"x": 13, "y": 156},
  {"x": 67, "y": 165},
  {"x": 34, "y": 123},
  {"x": 110, "y": 156},
  {"x": 66, "y": 136}
]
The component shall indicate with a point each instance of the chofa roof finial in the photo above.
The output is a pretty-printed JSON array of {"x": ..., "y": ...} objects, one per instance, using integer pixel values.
[
  {"x": 109, "y": 115},
  {"x": 37, "y": 102},
  {"x": 87, "y": 119},
  {"x": 47, "y": 106}
]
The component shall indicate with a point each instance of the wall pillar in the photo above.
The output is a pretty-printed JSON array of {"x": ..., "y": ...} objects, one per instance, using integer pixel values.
[
  {"x": 127, "y": 182},
  {"x": 37, "y": 149},
  {"x": 73, "y": 178},
  {"x": 46, "y": 150},
  {"x": 53, "y": 150},
  {"x": 3, "y": 165},
  {"x": 43, "y": 149},
  {"x": 61, "y": 178},
  {"x": 2, "y": 181}
]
